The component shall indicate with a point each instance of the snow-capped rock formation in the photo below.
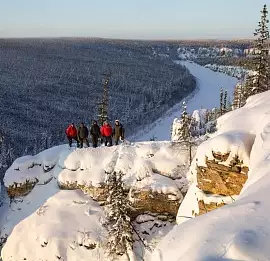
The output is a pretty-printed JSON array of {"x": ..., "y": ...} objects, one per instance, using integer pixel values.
[
  {"x": 46, "y": 192},
  {"x": 240, "y": 230}
]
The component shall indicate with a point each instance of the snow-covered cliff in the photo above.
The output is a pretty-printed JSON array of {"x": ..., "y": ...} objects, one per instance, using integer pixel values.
[{"x": 240, "y": 230}]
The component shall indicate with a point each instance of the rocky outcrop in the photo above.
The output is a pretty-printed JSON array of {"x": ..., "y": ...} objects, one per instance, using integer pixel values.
[
  {"x": 154, "y": 202},
  {"x": 219, "y": 179},
  {"x": 204, "y": 208},
  {"x": 96, "y": 193},
  {"x": 20, "y": 190},
  {"x": 143, "y": 201}
]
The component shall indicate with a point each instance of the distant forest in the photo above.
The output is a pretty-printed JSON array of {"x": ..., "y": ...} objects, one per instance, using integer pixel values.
[
  {"x": 48, "y": 83},
  {"x": 245, "y": 62}
]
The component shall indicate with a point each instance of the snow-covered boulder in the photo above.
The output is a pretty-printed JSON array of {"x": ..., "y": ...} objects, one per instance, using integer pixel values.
[
  {"x": 27, "y": 171},
  {"x": 141, "y": 162},
  {"x": 66, "y": 227},
  {"x": 172, "y": 160}
]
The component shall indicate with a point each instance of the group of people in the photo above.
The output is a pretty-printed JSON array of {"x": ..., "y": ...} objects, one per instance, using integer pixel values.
[{"x": 106, "y": 134}]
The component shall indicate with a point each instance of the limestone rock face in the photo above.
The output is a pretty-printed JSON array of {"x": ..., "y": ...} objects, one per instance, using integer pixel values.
[
  {"x": 96, "y": 193},
  {"x": 143, "y": 201},
  {"x": 204, "y": 208},
  {"x": 220, "y": 179},
  {"x": 154, "y": 202},
  {"x": 19, "y": 190}
]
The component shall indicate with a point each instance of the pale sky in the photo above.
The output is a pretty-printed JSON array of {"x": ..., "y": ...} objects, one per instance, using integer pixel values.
[{"x": 136, "y": 19}]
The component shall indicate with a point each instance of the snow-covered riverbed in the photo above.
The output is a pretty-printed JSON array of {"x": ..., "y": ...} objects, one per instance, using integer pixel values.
[{"x": 206, "y": 95}]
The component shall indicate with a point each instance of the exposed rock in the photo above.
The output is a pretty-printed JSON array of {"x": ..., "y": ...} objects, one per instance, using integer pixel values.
[
  {"x": 219, "y": 156},
  {"x": 19, "y": 190},
  {"x": 220, "y": 179},
  {"x": 245, "y": 170},
  {"x": 97, "y": 193},
  {"x": 145, "y": 201},
  {"x": 205, "y": 208}
]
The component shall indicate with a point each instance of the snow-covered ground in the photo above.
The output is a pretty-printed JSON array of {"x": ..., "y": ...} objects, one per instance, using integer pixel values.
[
  {"x": 205, "y": 96},
  {"x": 239, "y": 231}
]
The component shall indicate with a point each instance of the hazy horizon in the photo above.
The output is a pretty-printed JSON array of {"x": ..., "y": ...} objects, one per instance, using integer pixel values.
[
  {"x": 128, "y": 39},
  {"x": 128, "y": 20}
]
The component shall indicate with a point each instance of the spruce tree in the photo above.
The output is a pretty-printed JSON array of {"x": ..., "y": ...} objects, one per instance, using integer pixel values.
[
  {"x": 221, "y": 101},
  {"x": 225, "y": 101},
  {"x": 262, "y": 58},
  {"x": 187, "y": 124},
  {"x": 229, "y": 104},
  {"x": 103, "y": 106},
  {"x": 185, "y": 121},
  {"x": 118, "y": 222}
]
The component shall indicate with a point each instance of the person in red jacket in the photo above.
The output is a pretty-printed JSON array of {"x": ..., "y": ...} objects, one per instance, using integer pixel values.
[
  {"x": 106, "y": 132},
  {"x": 71, "y": 133}
]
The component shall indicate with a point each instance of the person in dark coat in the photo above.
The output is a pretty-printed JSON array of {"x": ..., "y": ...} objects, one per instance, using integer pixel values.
[
  {"x": 83, "y": 135},
  {"x": 71, "y": 133},
  {"x": 118, "y": 132},
  {"x": 106, "y": 132},
  {"x": 95, "y": 133}
]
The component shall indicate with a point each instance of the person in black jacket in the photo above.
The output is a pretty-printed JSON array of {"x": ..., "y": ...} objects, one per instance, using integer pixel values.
[
  {"x": 95, "y": 133},
  {"x": 118, "y": 132},
  {"x": 83, "y": 135}
]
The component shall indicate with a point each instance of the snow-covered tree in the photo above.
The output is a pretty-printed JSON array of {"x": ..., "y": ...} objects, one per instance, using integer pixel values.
[
  {"x": 215, "y": 113},
  {"x": 229, "y": 104},
  {"x": 225, "y": 101},
  {"x": 247, "y": 89},
  {"x": 6, "y": 155},
  {"x": 221, "y": 101},
  {"x": 184, "y": 131},
  {"x": 236, "y": 96},
  {"x": 117, "y": 221},
  {"x": 103, "y": 106},
  {"x": 262, "y": 58}
]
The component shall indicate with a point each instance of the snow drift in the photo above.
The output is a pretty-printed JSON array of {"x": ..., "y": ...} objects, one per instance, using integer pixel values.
[{"x": 241, "y": 230}]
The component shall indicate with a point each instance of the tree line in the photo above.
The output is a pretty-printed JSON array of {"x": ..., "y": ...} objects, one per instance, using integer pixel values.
[{"x": 259, "y": 81}]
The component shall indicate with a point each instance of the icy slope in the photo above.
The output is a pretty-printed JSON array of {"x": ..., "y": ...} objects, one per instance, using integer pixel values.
[
  {"x": 239, "y": 231},
  {"x": 206, "y": 96}
]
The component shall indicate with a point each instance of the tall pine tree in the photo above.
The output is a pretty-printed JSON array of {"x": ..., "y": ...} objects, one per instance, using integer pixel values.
[{"x": 260, "y": 83}]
